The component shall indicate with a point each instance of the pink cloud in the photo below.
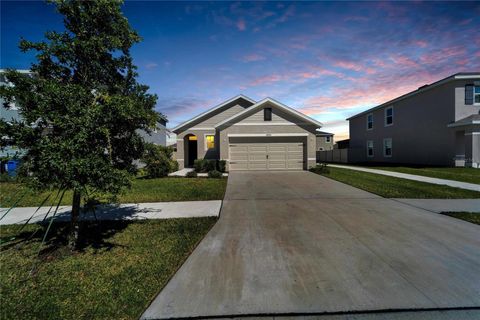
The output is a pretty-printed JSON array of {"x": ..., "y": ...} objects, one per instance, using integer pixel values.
[
  {"x": 404, "y": 61},
  {"x": 253, "y": 57},
  {"x": 354, "y": 66},
  {"x": 241, "y": 26},
  {"x": 421, "y": 43},
  {"x": 442, "y": 55},
  {"x": 365, "y": 92},
  {"x": 266, "y": 79}
]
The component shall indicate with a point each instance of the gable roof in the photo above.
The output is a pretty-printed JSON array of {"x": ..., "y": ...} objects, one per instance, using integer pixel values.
[
  {"x": 456, "y": 76},
  {"x": 211, "y": 110},
  {"x": 259, "y": 105},
  {"x": 323, "y": 134}
]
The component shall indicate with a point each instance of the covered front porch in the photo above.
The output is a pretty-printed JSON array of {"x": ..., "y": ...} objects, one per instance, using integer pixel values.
[{"x": 467, "y": 141}]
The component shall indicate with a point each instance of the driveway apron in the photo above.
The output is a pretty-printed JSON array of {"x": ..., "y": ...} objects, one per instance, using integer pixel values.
[{"x": 298, "y": 243}]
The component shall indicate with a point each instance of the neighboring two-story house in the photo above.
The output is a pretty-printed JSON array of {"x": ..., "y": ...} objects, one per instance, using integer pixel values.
[
  {"x": 157, "y": 136},
  {"x": 324, "y": 141},
  {"x": 438, "y": 124},
  {"x": 249, "y": 135}
]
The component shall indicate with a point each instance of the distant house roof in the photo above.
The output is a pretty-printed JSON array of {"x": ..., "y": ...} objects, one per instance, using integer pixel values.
[
  {"x": 323, "y": 134},
  {"x": 206, "y": 113},
  {"x": 472, "y": 119},
  {"x": 279, "y": 105},
  {"x": 457, "y": 76}
]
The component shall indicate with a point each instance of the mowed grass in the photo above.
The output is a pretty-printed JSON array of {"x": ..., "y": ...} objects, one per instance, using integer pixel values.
[
  {"x": 143, "y": 190},
  {"x": 118, "y": 272},
  {"x": 473, "y": 217},
  {"x": 390, "y": 187},
  {"x": 469, "y": 175}
]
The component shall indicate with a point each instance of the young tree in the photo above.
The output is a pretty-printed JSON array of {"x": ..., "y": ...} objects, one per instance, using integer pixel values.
[{"x": 82, "y": 105}]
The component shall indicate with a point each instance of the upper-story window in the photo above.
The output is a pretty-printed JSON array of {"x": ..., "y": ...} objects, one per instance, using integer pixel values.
[
  {"x": 472, "y": 93},
  {"x": 267, "y": 114},
  {"x": 370, "y": 121},
  {"x": 389, "y": 116},
  {"x": 328, "y": 139}
]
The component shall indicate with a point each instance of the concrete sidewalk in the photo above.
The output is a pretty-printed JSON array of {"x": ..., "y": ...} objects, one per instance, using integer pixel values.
[
  {"x": 450, "y": 183},
  {"x": 129, "y": 211},
  {"x": 444, "y": 205}
]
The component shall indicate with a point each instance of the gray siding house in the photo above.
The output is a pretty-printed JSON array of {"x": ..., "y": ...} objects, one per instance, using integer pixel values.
[
  {"x": 249, "y": 135},
  {"x": 158, "y": 135},
  {"x": 437, "y": 124},
  {"x": 324, "y": 141}
]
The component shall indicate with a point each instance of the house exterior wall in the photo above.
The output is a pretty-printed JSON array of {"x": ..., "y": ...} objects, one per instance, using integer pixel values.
[
  {"x": 284, "y": 124},
  {"x": 202, "y": 152},
  {"x": 221, "y": 115},
  {"x": 322, "y": 144},
  {"x": 461, "y": 109},
  {"x": 419, "y": 132}
]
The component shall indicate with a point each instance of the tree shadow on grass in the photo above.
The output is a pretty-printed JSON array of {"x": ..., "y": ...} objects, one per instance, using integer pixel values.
[
  {"x": 93, "y": 234},
  {"x": 95, "y": 228}
]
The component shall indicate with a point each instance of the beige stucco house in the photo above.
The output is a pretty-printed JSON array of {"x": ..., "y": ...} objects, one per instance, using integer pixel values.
[
  {"x": 249, "y": 135},
  {"x": 437, "y": 124}
]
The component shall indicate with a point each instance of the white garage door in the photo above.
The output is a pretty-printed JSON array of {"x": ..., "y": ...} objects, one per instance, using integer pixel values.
[{"x": 266, "y": 156}]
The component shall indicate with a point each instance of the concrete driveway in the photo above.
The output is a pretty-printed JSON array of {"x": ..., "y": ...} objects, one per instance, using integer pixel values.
[{"x": 296, "y": 243}]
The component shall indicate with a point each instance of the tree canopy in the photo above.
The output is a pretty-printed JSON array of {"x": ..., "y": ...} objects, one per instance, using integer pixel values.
[{"x": 81, "y": 105}]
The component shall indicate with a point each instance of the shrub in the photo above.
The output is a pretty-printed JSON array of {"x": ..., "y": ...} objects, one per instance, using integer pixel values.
[
  {"x": 221, "y": 165},
  {"x": 214, "y": 174},
  {"x": 320, "y": 168},
  {"x": 204, "y": 165},
  {"x": 191, "y": 174},
  {"x": 199, "y": 165},
  {"x": 210, "y": 165},
  {"x": 158, "y": 160}
]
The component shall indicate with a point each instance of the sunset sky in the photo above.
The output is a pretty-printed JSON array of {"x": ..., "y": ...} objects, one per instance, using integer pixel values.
[{"x": 329, "y": 60}]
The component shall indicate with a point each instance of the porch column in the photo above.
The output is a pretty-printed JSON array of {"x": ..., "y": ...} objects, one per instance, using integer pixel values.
[{"x": 472, "y": 148}]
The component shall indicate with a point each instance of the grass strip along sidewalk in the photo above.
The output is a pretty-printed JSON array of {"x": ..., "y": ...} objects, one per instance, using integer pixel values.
[
  {"x": 143, "y": 190},
  {"x": 392, "y": 187}
]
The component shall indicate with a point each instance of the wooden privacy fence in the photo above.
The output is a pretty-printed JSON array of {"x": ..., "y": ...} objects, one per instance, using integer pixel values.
[{"x": 335, "y": 155}]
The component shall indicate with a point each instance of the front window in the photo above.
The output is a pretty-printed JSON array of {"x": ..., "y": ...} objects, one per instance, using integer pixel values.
[
  {"x": 210, "y": 141},
  {"x": 387, "y": 147},
  {"x": 370, "y": 121},
  {"x": 476, "y": 95},
  {"x": 267, "y": 114},
  {"x": 369, "y": 148},
  {"x": 328, "y": 139},
  {"x": 389, "y": 116}
]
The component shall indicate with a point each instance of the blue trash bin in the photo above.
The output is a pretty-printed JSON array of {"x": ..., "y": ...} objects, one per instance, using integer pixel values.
[{"x": 12, "y": 166}]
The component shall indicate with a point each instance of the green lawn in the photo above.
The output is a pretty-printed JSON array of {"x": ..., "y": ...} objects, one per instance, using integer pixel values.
[
  {"x": 116, "y": 275},
  {"x": 390, "y": 187},
  {"x": 473, "y": 217},
  {"x": 470, "y": 175},
  {"x": 143, "y": 190}
]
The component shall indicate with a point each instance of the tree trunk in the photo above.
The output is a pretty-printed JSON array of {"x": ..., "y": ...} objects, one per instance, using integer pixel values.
[{"x": 74, "y": 228}]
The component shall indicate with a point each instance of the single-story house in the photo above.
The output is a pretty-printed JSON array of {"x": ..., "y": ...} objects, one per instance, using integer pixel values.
[{"x": 249, "y": 135}]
